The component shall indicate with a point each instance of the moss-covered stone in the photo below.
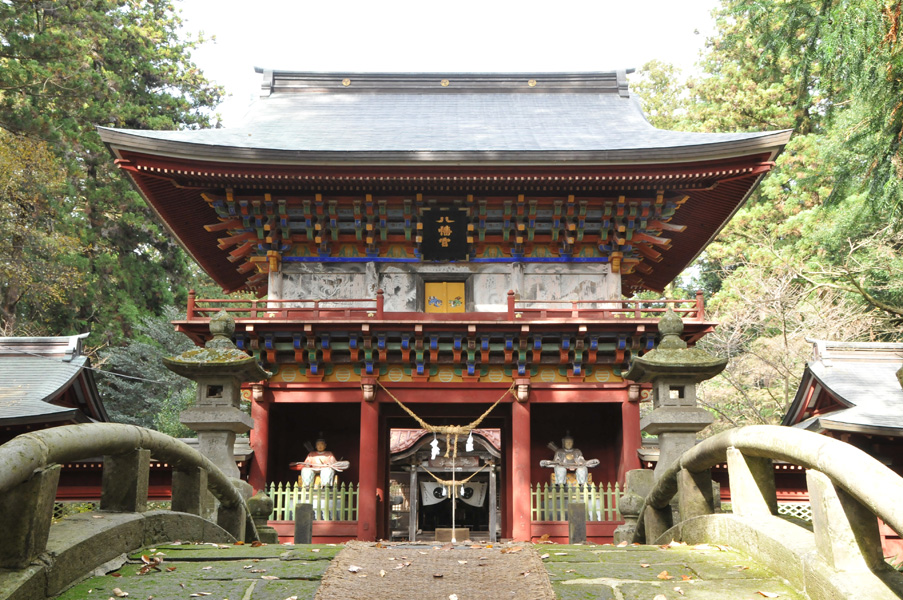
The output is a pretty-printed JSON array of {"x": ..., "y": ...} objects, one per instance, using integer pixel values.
[
  {"x": 589, "y": 591},
  {"x": 255, "y": 569},
  {"x": 710, "y": 590},
  {"x": 311, "y": 552}
]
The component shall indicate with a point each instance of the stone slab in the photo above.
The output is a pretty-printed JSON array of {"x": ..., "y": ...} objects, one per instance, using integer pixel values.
[
  {"x": 611, "y": 570},
  {"x": 26, "y": 584},
  {"x": 710, "y": 590},
  {"x": 311, "y": 552},
  {"x": 255, "y": 569},
  {"x": 218, "y": 551},
  {"x": 583, "y": 591}
]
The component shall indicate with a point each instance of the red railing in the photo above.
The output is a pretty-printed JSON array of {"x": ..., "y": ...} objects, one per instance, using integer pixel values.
[{"x": 373, "y": 309}]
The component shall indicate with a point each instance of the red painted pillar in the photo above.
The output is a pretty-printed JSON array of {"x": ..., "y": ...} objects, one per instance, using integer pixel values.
[
  {"x": 367, "y": 510},
  {"x": 630, "y": 437},
  {"x": 520, "y": 480},
  {"x": 260, "y": 439}
]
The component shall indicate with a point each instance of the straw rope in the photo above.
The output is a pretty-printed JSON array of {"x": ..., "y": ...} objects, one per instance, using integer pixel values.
[
  {"x": 451, "y": 482},
  {"x": 453, "y": 431}
]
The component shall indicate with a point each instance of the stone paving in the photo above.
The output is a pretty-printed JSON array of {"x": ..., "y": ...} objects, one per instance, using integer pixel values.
[{"x": 288, "y": 572}]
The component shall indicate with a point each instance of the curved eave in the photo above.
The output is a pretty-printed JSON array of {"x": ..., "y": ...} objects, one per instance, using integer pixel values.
[
  {"x": 717, "y": 188},
  {"x": 121, "y": 141}
]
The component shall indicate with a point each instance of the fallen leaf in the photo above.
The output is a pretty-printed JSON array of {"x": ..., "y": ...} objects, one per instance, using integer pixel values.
[
  {"x": 97, "y": 516},
  {"x": 239, "y": 543},
  {"x": 525, "y": 573},
  {"x": 660, "y": 597},
  {"x": 119, "y": 593},
  {"x": 645, "y": 565},
  {"x": 674, "y": 544},
  {"x": 382, "y": 572},
  {"x": 437, "y": 575},
  {"x": 571, "y": 571},
  {"x": 768, "y": 594},
  {"x": 741, "y": 567},
  {"x": 292, "y": 598},
  {"x": 314, "y": 549},
  {"x": 702, "y": 547},
  {"x": 622, "y": 544},
  {"x": 561, "y": 554},
  {"x": 679, "y": 591},
  {"x": 257, "y": 571},
  {"x": 115, "y": 574},
  {"x": 170, "y": 569},
  {"x": 268, "y": 577},
  {"x": 544, "y": 537},
  {"x": 354, "y": 569},
  {"x": 544, "y": 556},
  {"x": 206, "y": 568},
  {"x": 686, "y": 578},
  {"x": 453, "y": 597},
  {"x": 462, "y": 562},
  {"x": 476, "y": 547},
  {"x": 664, "y": 575},
  {"x": 200, "y": 594}
]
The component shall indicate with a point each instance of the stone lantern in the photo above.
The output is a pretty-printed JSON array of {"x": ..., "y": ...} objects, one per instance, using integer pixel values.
[
  {"x": 674, "y": 370},
  {"x": 219, "y": 368}
]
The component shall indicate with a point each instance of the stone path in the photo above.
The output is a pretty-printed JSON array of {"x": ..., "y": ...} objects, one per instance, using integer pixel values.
[{"x": 283, "y": 572}]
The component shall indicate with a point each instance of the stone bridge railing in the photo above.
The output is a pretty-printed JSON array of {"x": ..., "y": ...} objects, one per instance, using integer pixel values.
[
  {"x": 42, "y": 564},
  {"x": 840, "y": 557}
]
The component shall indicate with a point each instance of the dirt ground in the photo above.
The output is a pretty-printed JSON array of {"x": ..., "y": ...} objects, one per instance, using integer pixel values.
[{"x": 433, "y": 571}]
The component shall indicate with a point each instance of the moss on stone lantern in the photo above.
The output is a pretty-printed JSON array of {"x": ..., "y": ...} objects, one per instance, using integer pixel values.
[
  {"x": 674, "y": 370},
  {"x": 219, "y": 368}
]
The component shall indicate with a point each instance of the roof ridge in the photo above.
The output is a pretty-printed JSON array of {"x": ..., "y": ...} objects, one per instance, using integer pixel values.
[{"x": 443, "y": 82}]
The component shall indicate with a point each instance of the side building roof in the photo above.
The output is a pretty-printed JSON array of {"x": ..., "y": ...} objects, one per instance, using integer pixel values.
[
  {"x": 850, "y": 387},
  {"x": 438, "y": 134},
  {"x": 44, "y": 380}
]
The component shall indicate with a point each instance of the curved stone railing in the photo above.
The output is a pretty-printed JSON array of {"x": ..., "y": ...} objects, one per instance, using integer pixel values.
[
  {"x": 29, "y": 474},
  {"x": 841, "y": 557}
]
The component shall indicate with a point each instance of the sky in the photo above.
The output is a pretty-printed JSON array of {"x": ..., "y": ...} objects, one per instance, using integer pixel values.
[{"x": 438, "y": 36}]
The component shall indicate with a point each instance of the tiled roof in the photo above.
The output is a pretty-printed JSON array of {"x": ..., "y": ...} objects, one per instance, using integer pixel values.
[
  {"x": 34, "y": 372},
  {"x": 862, "y": 376},
  {"x": 585, "y": 116}
]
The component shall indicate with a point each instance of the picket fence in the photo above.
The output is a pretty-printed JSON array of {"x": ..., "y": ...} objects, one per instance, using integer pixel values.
[
  {"x": 549, "y": 502},
  {"x": 331, "y": 503}
]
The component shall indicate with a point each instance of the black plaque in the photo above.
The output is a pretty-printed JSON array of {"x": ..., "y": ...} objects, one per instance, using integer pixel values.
[{"x": 444, "y": 234}]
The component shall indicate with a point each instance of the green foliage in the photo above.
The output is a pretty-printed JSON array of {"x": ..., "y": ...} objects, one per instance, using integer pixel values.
[
  {"x": 39, "y": 259},
  {"x": 64, "y": 69},
  {"x": 152, "y": 395},
  {"x": 816, "y": 251}
]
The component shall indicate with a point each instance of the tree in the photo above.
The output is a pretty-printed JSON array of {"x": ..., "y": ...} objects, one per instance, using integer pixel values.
[
  {"x": 38, "y": 260},
  {"x": 65, "y": 68},
  {"x": 137, "y": 388},
  {"x": 815, "y": 252}
]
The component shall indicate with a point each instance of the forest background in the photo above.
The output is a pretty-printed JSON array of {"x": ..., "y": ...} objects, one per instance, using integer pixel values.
[{"x": 815, "y": 252}]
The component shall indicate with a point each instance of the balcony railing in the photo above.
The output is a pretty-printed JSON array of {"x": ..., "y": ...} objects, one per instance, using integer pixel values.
[{"x": 365, "y": 309}]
